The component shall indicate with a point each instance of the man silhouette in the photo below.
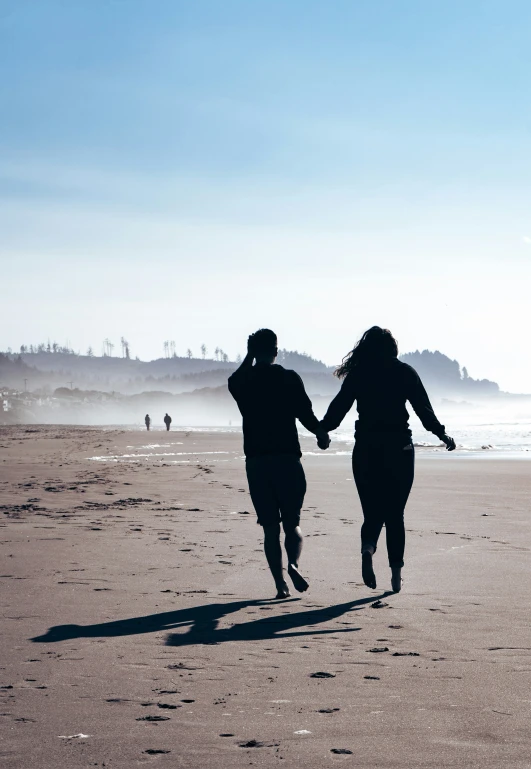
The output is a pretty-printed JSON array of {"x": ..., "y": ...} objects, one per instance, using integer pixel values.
[
  {"x": 270, "y": 398},
  {"x": 147, "y": 420},
  {"x": 167, "y": 421}
]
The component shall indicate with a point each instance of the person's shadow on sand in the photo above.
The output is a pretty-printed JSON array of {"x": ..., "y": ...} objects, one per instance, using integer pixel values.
[{"x": 204, "y": 624}]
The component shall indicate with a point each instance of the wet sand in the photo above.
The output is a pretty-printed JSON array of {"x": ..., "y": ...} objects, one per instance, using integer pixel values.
[{"x": 136, "y": 612}]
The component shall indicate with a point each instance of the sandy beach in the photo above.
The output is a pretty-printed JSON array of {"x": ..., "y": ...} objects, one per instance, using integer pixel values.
[{"x": 136, "y": 612}]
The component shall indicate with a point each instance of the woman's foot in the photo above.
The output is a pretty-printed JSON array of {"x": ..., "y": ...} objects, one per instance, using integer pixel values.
[
  {"x": 367, "y": 572},
  {"x": 299, "y": 583},
  {"x": 282, "y": 590},
  {"x": 396, "y": 579}
]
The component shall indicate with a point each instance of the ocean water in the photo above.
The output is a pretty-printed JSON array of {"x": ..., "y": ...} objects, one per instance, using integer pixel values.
[
  {"x": 478, "y": 429},
  {"x": 490, "y": 429}
]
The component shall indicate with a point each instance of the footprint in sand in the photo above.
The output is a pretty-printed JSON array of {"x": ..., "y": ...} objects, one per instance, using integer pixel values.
[
  {"x": 153, "y": 718},
  {"x": 258, "y": 744}
]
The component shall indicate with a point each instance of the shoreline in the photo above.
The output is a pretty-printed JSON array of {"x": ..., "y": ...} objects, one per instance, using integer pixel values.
[{"x": 422, "y": 450}]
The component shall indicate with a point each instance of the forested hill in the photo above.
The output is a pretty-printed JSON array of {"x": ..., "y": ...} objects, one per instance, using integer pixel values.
[
  {"x": 443, "y": 375},
  {"x": 51, "y": 369},
  {"x": 42, "y": 369}
]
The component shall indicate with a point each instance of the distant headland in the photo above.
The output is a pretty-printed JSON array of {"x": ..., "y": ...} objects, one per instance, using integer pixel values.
[{"x": 50, "y": 383}]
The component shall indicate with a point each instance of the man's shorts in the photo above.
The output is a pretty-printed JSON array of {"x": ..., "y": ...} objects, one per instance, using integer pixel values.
[{"x": 277, "y": 485}]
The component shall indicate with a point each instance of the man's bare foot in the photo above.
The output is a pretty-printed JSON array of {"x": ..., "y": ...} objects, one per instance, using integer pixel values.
[
  {"x": 396, "y": 580},
  {"x": 299, "y": 583},
  {"x": 283, "y": 591},
  {"x": 367, "y": 572}
]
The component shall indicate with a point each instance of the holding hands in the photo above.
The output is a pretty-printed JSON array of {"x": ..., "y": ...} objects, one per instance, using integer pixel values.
[{"x": 323, "y": 439}]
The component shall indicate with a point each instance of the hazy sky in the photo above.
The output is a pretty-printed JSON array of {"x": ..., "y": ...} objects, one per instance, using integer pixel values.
[{"x": 195, "y": 170}]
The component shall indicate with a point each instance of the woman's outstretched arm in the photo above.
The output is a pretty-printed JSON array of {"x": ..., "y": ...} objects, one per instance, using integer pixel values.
[
  {"x": 418, "y": 397},
  {"x": 341, "y": 404}
]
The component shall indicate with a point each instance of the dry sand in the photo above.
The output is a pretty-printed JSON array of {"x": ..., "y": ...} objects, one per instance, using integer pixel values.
[{"x": 136, "y": 590}]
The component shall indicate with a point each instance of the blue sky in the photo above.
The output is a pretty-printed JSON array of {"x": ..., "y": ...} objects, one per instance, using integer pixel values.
[{"x": 194, "y": 170}]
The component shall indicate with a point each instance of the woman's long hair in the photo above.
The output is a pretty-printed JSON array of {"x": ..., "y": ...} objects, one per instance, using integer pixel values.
[{"x": 377, "y": 345}]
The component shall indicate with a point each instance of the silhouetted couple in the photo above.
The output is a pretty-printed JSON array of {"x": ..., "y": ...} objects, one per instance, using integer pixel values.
[{"x": 271, "y": 398}]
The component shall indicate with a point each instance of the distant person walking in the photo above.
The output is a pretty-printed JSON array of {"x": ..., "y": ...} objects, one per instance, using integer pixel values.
[
  {"x": 270, "y": 399},
  {"x": 383, "y": 459},
  {"x": 147, "y": 420},
  {"x": 167, "y": 421}
]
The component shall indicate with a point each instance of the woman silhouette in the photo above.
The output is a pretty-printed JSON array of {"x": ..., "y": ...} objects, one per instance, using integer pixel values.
[{"x": 383, "y": 459}]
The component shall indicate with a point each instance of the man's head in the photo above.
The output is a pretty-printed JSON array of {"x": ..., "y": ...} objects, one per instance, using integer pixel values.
[{"x": 263, "y": 345}]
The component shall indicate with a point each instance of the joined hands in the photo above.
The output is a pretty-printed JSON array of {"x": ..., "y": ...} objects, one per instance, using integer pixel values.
[{"x": 323, "y": 439}]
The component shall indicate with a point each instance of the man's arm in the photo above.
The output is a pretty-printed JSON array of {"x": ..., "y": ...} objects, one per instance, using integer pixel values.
[
  {"x": 341, "y": 404},
  {"x": 305, "y": 415},
  {"x": 236, "y": 379}
]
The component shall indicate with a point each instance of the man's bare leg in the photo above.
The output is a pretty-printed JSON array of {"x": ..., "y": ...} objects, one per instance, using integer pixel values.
[
  {"x": 293, "y": 545},
  {"x": 273, "y": 553}
]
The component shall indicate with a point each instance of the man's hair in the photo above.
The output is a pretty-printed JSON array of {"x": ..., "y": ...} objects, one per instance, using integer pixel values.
[{"x": 264, "y": 342}]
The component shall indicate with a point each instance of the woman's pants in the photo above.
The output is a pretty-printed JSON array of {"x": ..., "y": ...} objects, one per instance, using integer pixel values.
[{"x": 383, "y": 471}]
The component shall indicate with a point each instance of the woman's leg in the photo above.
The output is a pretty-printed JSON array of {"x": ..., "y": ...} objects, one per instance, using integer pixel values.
[
  {"x": 400, "y": 483},
  {"x": 365, "y": 466},
  {"x": 368, "y": 484}
]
